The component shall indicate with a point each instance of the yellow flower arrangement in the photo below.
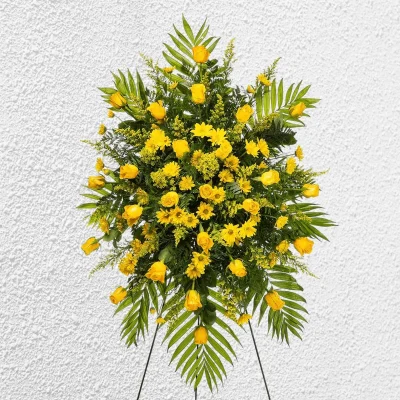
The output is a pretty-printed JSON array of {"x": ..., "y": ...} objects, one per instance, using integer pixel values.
[{"x": 205, "y": 201}]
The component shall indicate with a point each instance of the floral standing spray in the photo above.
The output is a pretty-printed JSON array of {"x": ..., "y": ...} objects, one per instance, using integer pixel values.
[{"x": 202, "y": 193}]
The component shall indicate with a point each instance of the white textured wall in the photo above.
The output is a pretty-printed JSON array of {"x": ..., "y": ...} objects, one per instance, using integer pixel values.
[{"x": 58, "y": 339}]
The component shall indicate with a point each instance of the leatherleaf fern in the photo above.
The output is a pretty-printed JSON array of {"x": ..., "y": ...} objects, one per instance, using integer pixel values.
[{"x": 202, "y": 196}]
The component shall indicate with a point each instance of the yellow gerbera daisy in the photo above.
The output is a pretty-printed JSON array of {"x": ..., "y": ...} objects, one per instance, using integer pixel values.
[
  {"x": 218, "y": 195},
  {"x": 232, "y": 162},
  {"x": 177, "y": 216},
  {"x": 245, "y": 185},
  {"x": 247, "y": 229},
  {"x": 205, "y": 211},
  {"x": 226, "y": 176},
  {"x": 163, "y": 217},
  {"x": 252, "y": 148},
  {"x": 191, "y": 221},
  {"x": 200, "y": 259}
]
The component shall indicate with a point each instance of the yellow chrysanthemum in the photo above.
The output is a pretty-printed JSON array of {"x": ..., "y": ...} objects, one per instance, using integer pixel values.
[
  {"x": 196, "y": 157},
  {"x": 263, "y": 147},
  {"x": 244, "y": 319},
  {"x": 232, "y": 162},
  {"x": 245, "y": 185},
  {"x": 264, "y": 80},
  {"x": 247, "y": 229},
  {"x": 252, "y": 148},
  {"x": 191, "y": 221},
  {"x": 171, "y": 169},
  {"x": 163, "y": 217},
  {"x": 195, "y": 271},
  {"x": 281, "y": 222},
  {"x": 104, "y": 225},
  {"x": 290, "y": 165},
  {"x": 186, "y": 183},
  {"x": 217, "y": 136},
  {"x": 230, "y": 234},
  {"x": 218, "y": 195},
  {"x": 205, "y": 211},
  {"x": 202, "y": 130},
  {"x": 226, "y": 176},
  {"x": 283, "y": 246},
  {"x": 299, "y": 153},
  {"x": 127, "y": 264},
  {"x": 158, "y": 139}
]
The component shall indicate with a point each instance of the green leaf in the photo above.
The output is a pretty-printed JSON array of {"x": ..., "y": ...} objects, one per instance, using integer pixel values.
[
  {"x": 213, "y": 45},
  {"x": 219, "y": 349},
  {"x": 222, "y": 339},
  {"x": 185, "y": 328},
  {"x": 188, "y": 29},
  {"x": 185, "y": 342},
  {"x": 215, "y": 358},
  {"x": 87, "y": 205},
  {"x": 185, "y": 355}
]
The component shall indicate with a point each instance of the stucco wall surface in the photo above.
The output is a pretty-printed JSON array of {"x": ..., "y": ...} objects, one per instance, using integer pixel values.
[{"x": 58, "y": 339}]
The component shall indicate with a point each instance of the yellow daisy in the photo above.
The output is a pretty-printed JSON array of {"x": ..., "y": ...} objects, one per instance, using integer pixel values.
[
  {"x": 163, "y": 217},
  {"x": 245, "y": 185},
  {"x": 194, "y": 271},
  {"x": 247, "y": 229},
  {"x": 263, "y": 147},
  {"x": 232, "y": 162},
  {"x": 226, "y": 176},
  {"x": 217, "y": 136},
  {"x": 191, "y": 221},
  {"x": 205, "y": 211},
  {"x": 171, "y": 169},
  {"x": 202, "y": 130},
  {"x": 200, "y": 259},
  {"x": 177, "y": 216},
  {"x": 252, "y": 148},
  {"x": 230, "y": 234},
  {"x": 218, "y": 195}
]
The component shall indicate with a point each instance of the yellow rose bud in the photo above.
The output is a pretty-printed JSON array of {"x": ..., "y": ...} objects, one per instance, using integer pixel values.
[
  {"x": 169, "y": 199},
  {"x": 244, "y": 113},
  {"x": 200, "y": 335},
  {"x": 204, "y": 241},
  {"x": 192, "y": 302},
  {"x": 96, "y": 182},
  {"x": 104, "y": 225},
  {"x": 270, "y": 177},
  {"x": 310, "y": 190},
  {"x": 200, "y": 54},
  {"x": 118, "y": 295},
  {"x": 251, "y": 206},
  {"x": 157, "y": 110},
  {"x": 110, "y": 114},
  {"x": 102, "y": 129},
  {"x": 250, "y": 89},
  {"x": 117, "y": 100},
  {"x": 90, "y": 245},
  {"x": 206, "y": 191},
  {"x": 157, "y": 272},
  {"x": 297, "y": 110},
  {"x": 281, "y": 222},
  {"x": 128, "y": 171},
  {"x": 99, "y": 165},
  {"x": 180, "y": 147},
  {"x": 132, "y": 214},
  {"x": 237, "y": 268},
  {"x": 198, "y": 93},
  {"x": 303, "y": 245},
  {"x": 274, "y": 300},
  {"x": 224, "y": 150}
]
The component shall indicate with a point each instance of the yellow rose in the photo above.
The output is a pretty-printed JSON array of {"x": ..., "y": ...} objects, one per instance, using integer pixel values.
[
  {"x": 250, "y": 89},
  {"x": 310, "y": 190},
  {"x": 192, "y": 302},
  {"x": 251, "y": 206},
  {"x": 270, "y": 177},
  {"x": 117, "y": 100},
  {"x": 244, "y": 113},
  {"x": 132, "y": 214},
  {"x": 297, "y": 110},
  {"x": 206, "y": 191},
  {"x": 157, "y": 272},
  {"x": 200, "y": 335},
  {"x": 224, "y": 150},
  {"x": 90, "y": 245},
  {"x": 200, "y": 54},
  {"x": 274, "y": 300},
  {"x": 157, "y": 110},
  {"x": 204, "y": 241},
  {"x": 96, "y": 182},
  {"x": 198, "y": 93},
  {"x": 118, "y": 295},
  {"x": 169, "y": 199},
  {"x": 180, "y": 147},
  {"x": 128, "y": 171},
  {"x": 303, "y": 245},
  {"x": 237, "y": 268}
]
